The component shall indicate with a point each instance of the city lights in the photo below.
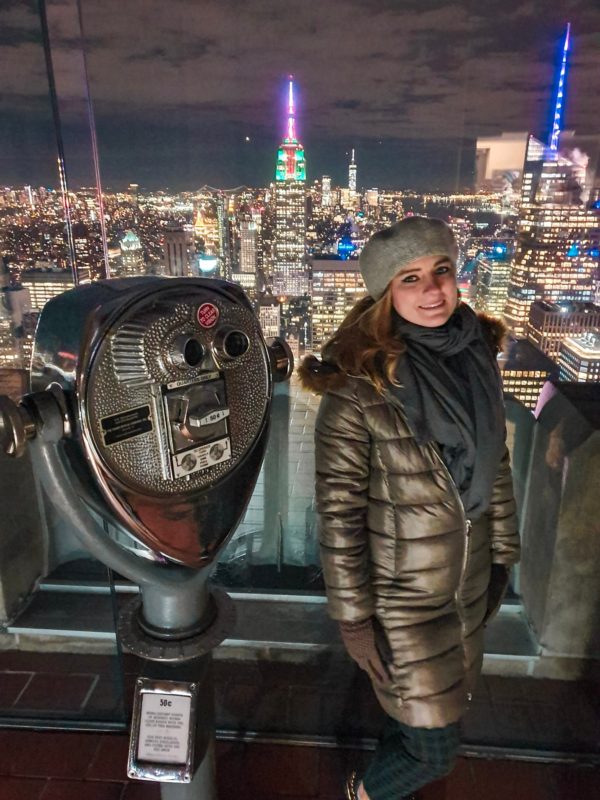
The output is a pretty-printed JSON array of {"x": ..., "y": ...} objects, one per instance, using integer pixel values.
[{"x": 528, "y": 233}]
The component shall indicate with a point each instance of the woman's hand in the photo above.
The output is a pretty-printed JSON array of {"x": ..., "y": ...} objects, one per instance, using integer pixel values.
[
  {"x": 497, "y": 589},
  {"x": 360, "y": 640}
]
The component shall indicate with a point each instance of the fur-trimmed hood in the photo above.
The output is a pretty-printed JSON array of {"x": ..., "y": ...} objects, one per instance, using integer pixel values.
[{"x": 323, "y": 376}]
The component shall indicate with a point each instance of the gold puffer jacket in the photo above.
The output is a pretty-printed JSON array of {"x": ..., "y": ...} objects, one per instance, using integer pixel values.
[{"x": 395, "y": 544}]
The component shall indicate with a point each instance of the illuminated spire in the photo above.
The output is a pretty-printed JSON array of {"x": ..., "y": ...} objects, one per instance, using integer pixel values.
[
  {"x": 290, "y": 156},
  {"x": 291, "y": 125},
  {"x": 560, "y": 93},
  {"x": 352, "y": 174}
]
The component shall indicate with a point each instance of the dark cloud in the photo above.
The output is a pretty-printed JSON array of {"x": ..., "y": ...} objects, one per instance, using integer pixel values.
[
  {"x": 12, "y": 36},
  {"x": 352, "y": 105},
  {"x": 176, "y": 55},
  {"x": 172, "y": 81}
]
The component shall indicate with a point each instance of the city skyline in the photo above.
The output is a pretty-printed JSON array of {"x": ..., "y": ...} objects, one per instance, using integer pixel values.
[{"x": 196, "y": 100}]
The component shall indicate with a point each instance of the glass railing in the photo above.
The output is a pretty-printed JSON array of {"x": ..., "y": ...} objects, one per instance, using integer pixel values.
[{"x": 162, "y": 138}]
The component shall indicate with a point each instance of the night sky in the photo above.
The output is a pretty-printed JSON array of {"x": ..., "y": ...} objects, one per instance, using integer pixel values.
[{"x": 178, "y": 86}]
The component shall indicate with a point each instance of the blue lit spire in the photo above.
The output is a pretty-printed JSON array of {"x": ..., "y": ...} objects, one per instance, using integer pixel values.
[{"x": 560, "y": 93}]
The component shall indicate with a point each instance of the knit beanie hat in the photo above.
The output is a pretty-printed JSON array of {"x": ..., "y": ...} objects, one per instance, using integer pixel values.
[{"x": 389, "y": 250}]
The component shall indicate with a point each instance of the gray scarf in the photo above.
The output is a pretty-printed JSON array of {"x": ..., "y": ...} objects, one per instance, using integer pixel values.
[{"x": 451, "y": 392}]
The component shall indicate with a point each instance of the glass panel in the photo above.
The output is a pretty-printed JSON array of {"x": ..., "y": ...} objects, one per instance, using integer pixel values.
[
  {"x": 216, "y": 164},
  {"x": 59, "y": 662}
]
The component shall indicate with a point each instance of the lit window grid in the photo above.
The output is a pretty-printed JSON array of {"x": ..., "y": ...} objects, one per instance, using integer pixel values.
[{"x": 334, "y": 293}]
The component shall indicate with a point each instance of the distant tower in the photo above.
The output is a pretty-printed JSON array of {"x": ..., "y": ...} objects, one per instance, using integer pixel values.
[
  {"x": 557, "y": 233},
  {"x": 352, "y": 174},
  {"x": 178, "y": 251},
  {"x": 493, "y": 273},
  {"x": 88, "y": 264},
  {"x": 4, "y": 273},
  {"x": 290, "y": 272},
  {"x": 326, "y": 191},
  {"x": 224, "y": 236},
  {"x": 132, "y": 255},
  {"x": 206, "y": 228},
  {"x": 248, "y": 246}
]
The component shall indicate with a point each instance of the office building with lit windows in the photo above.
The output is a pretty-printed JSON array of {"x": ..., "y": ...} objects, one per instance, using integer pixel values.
[
  {"x": 206, "y": 230},
  {"x": 269, "y": 316},
  {"x": 558, "y": 241},
  {"x": 246, "y": 280},
  {"x": 290, "y": 273},
  {"x": 493, "y": 273},
  {"x": 372, "y": 198},
  {"x": 248, "y": 246},
  {"x": 178, "y": 251},
  {"x": 89, "y": 261},
  {"x": 551, "y": 323},
  {"x": 43, "y": 285},
  {"x": 132, "y": 255},
  {"x": 336, "y": 287},
  {"x": 9, "y": 354},
  {"x": 524, "y": 371},
  {"x": 579, "y": 358},
  {"x": 296, "y": 323}
]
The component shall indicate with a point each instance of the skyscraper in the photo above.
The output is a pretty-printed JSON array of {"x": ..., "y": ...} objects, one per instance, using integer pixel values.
[
  {"x": 493, "y": 271},
  {"x": 336, "y": 287},
  {"x": 224, "y": 236},
  {"x": 132, "y": 255},
  {"x": 248, "y": 246},
  {"x": 248, "y": 255},
  {"x": 352, "y": 174},
  {"x": 9, "y": 356},
  {"x": 206, "y": 229},
  {"x": 551, "y": 323},
  {"x": 557, "y": 243},
  {"x": 326, "y": 191},
  {"x": 290, "y": 272},
  {"x": 89, "y": 262},
  {"x": 579, "y": 358},
  {"x": 178, "y": 251},
  {"x": 558, "y": 239}
]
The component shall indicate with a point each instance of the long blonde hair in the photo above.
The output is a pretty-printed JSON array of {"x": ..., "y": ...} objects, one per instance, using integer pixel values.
[{"x": 365, "y": 343}]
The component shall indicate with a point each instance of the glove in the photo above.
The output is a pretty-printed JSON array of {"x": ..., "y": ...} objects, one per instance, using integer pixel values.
[
  {"x": 497, "y": 589},
  {"x": 360, "y": 640}
]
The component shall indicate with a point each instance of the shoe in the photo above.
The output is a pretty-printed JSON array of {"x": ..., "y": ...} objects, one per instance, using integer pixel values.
[
  {"x": 351, "y": 786},
  {"x": 353, "y": 782}
]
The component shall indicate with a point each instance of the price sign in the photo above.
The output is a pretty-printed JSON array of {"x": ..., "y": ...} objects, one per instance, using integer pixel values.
[{"x": 164, "y": 728}]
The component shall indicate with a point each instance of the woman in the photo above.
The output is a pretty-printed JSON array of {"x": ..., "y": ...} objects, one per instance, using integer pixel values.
[{"x": 414, "y": 496}]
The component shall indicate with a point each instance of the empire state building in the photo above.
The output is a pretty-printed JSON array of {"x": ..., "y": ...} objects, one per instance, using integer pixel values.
[{"x": 290, "y": 272}]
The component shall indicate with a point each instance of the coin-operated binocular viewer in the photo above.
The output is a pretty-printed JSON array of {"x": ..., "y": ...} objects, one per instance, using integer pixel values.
[{"x": 149, "y": 407}]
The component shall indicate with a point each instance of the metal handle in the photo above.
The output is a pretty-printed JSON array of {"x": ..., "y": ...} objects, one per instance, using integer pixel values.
[
  {"x": 16, "y": 426},
  {"x": 20, "y": 422}
]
